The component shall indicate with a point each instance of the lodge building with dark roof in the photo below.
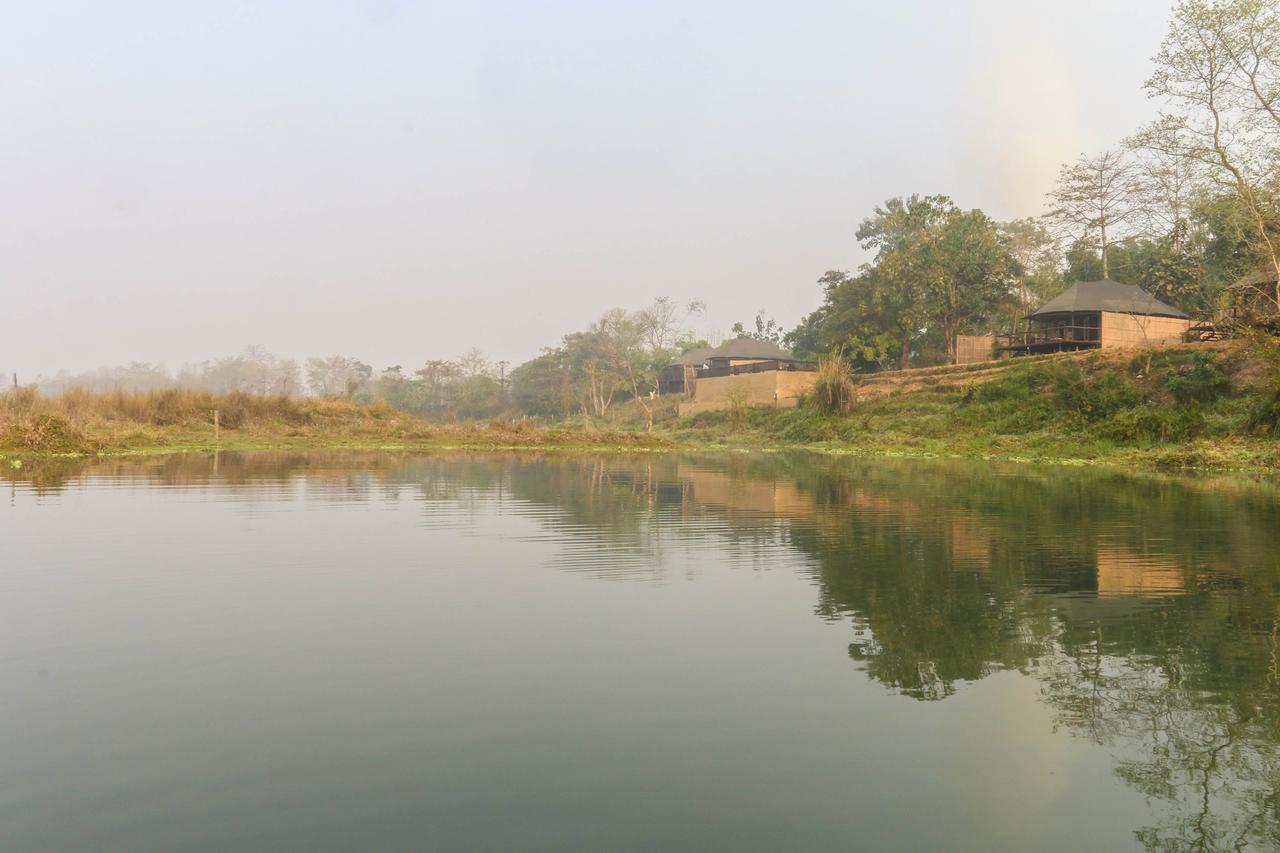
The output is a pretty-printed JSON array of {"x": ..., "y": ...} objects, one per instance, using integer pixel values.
[
  {"x": 740, "y": 355},
  {"x": 1087, "y": 315},
  {"x": 740, "y": 372}
]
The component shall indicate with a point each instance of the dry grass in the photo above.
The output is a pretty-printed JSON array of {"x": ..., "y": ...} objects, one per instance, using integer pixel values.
[
  {"x": 80, "y": 421},
  {"x": 835, "y": 386}
]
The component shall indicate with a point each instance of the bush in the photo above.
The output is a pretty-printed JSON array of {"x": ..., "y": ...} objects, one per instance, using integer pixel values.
[
  {"x": 1101, "y": 396},
  {"x": 1264, "y": 415},
  {"x": 834, "y": 386},
  {"x": 1024, "y": 382},
  {"x": 1151, "y": 424},
  {"x": 1201, "y": 382},
  {"x": 45, "y": 434}
]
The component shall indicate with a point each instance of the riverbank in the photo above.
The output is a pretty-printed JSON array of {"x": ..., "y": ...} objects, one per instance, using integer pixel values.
[
  {"x": 118, "y": 424},
  {"x": 1205, "y": 407}
]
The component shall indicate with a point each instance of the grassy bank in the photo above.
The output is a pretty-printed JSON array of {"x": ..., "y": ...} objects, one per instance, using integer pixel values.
[
  {"x": 80, "y": 423},
  {"x": 1210, "y": 407},
  {"x": 1187, "y": 406}
]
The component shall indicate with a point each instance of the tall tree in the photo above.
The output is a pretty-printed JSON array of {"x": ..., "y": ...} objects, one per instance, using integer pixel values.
[
  {"x": 1218, "y": 74},
  {"x": 1038, "y": 259},
  {"x": 901, "y": 233},
  {"x": 947, "y": 269},
  {"x": 865, "y": 319},
  {"x": 1169, "y": 187},
  {"x": 1095, "y": 198}
]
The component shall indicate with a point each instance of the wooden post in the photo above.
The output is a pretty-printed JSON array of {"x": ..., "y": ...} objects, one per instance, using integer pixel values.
[{"x": 217, "y": 427}]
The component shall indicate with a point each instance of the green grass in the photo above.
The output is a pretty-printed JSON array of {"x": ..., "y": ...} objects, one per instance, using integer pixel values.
[
  {"x": 1212, "y": 408},
  {"x": 1180, "y": 407}
]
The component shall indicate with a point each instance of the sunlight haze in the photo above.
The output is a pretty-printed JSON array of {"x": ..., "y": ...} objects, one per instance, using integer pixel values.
[{"x": 402, "y": 181}]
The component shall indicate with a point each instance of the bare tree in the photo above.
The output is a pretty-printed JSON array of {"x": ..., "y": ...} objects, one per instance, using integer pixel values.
[
  {"x": 337, "y": 376},
  {"x": 1095, "y": 197},
  {"x": 1218, "y": 71},
  {"x": 473, "y": 363},
  {"x": 1168, "y": 186},
  {"x": 666, "y": 321}
]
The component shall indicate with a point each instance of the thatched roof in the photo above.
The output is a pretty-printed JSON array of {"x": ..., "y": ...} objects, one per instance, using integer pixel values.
[
  {"x": 736, "y": 348},
  {"x": 1106, "y": 295},
  {"x": 694, "y": 357},
  {"x": 751, "y": 348}
]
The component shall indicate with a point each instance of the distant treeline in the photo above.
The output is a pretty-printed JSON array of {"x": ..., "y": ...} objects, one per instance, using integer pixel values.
[{"x": 616, "y": 358}]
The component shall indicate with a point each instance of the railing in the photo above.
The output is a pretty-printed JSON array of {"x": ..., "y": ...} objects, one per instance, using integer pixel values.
[
  {"x": 1055, "y": 335},
  {"x": 757, "y": 367}
]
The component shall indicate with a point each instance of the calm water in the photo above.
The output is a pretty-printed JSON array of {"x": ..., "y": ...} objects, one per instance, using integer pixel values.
[{"x": 464, "y": 652}]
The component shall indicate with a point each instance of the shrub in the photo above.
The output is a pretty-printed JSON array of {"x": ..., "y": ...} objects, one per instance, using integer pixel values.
[
  {"x": 1151, "y": 423},
  {"x": 45, "y": 434},
  {"x": 1024, "y": 382},
  {"x": 1264, "y": 415},
  {"x": 1201, "y": 382},
  {"x": 1101, "y": 396},
  {"x": 834, "y": 386}
]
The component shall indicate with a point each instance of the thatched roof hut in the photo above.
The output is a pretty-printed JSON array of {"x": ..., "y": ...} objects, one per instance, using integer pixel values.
[{"x": 1112, "y": 296}]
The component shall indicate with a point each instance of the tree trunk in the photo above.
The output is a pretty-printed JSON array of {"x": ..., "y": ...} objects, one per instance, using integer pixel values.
[
  {"x": 905, "y": 361},
  {"x": 1106, "y": 268}
]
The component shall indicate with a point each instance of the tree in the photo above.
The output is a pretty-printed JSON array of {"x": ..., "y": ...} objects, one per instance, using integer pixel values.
[
  {"x": 864, "y": 320},
  {"x": 938, "y": 271},
  {"x": 337, "y": 376},
  {"x": 666, "y": 322},
  {"x": 1169, "y": 187},
  {"x": 1039, "y": 258},
  {"x": 765, "y": 330},
  {"x": 543, "y": 386},
  {"x": 947, "y": 269},
  {"x": 1094, "y": 198},
  {"x": 401, "y": 391},
  {"x": 975, "y": 276},
  {"x": 1218, "y": 73},
  {"x": 254, "y": 370},
  {"x": 901, "y": 232},
  {"x": 591, "y": 365},
  {"x": 804, "y": 341},
  {"x": 665, "y": 329},
  {"x": 473, "y": 363},
  {"x": 618, "y": 357}
]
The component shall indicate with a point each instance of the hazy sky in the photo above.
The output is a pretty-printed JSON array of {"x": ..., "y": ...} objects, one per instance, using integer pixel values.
[{"x": 403, "y": 181}]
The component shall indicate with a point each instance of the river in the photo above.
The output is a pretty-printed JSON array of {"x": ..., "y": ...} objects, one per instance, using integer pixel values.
[{"x": 285, "y": 651}]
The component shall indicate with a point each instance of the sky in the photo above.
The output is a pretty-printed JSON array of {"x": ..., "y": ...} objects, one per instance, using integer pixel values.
[{"x": 402, "y": 181}]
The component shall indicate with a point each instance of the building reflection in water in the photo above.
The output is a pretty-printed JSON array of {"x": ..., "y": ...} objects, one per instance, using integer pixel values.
[{"x": 1145, "y": 606}]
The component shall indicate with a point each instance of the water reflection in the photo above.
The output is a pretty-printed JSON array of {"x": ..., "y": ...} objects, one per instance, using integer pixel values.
[{"x": 1145, "y": 607}]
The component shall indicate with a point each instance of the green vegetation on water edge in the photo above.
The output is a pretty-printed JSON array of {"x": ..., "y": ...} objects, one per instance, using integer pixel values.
[
  {"x": 1175, "y": 407},
  {"x": 1196, "y": 407}
]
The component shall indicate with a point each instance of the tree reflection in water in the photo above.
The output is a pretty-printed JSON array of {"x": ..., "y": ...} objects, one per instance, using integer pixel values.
[{"x": 1145, "y": 606}]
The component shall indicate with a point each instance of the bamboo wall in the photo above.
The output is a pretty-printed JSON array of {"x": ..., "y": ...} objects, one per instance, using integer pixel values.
[
  {"x": 1139, "y": 330},
  {"x": 974, "y": 348},
  {"x": 780, "y": 389}
]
